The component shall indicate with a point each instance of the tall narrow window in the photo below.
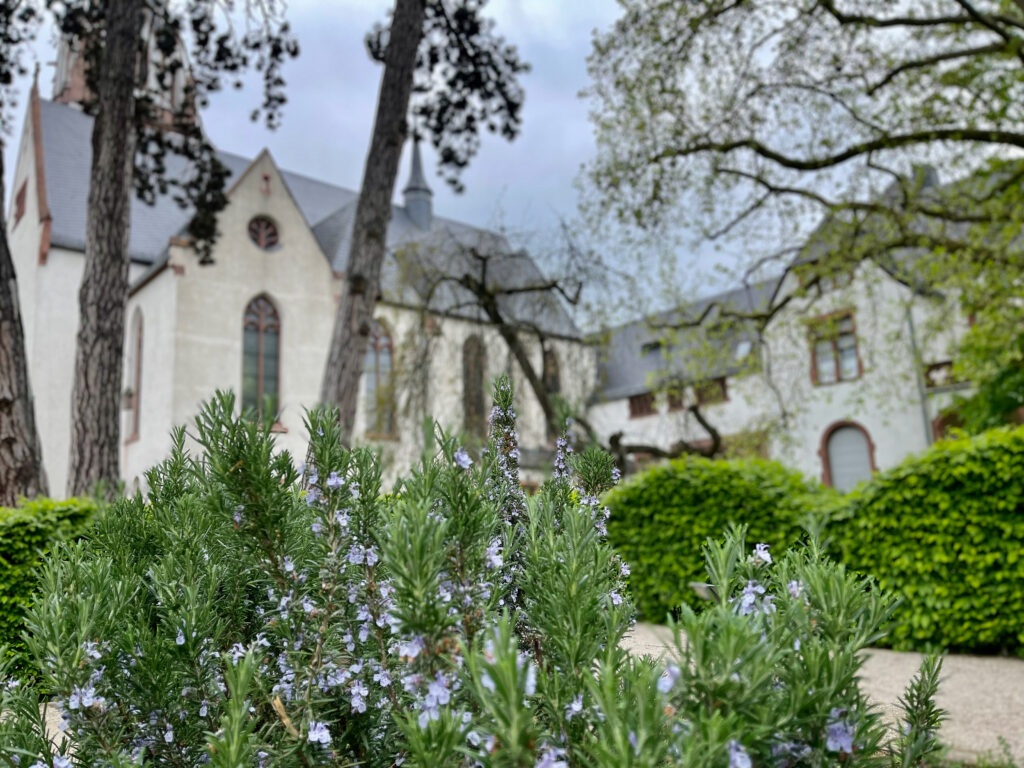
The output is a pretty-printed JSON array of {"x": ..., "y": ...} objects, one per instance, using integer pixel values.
[
  {"x": 378, "y": 373},
  {"x": 552, "y": 380},
  {"x": 473, "y": 399},
  {"x": 135, "y": 374},
  {"x": 261, "y": 336},
  {"x": 835, "y": 356},
  {"x": 19, "y": 201}
]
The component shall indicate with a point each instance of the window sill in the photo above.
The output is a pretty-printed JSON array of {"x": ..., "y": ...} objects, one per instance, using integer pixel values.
[
  {"x": 382, "y": 437},
  {"x": 278, "y": 428},
  {"x": 837, "y": 381},
  {"x": 132, "y": 438}
]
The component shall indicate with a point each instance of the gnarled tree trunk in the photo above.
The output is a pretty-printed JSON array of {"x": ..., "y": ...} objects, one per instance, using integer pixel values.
[
  {"x": 95, "y": 399},
  {"x": 352, "y": 323},
  {"x": 21, "y": 456}
]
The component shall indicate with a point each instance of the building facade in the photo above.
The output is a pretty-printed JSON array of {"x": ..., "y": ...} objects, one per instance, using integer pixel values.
[
  {"x": 842, "y": 380},
  {"x": 258, "y": 320},
  {"x": 845, "y": 379}
]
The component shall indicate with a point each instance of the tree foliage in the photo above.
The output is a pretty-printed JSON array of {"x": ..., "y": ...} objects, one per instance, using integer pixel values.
[
  {"x": 465, "y": 81},
  {"x": 894, "y": 128},
  {"x": 195, "y": 49}
]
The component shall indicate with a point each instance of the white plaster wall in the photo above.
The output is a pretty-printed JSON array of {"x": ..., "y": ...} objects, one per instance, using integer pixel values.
[
  {"x": 157, "y": 301},
  {"x": 54, "y": 306},
  {"x": 211, "y": 301},
  {"x": 437, "y": 390},
  {"x": 751, "y": 406},
  {"x": 209, "y": 306},
  {"x": 885, "y": 400}
]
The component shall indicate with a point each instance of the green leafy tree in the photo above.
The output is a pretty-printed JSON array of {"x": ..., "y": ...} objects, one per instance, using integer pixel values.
[{"x": 891, "y": 130}]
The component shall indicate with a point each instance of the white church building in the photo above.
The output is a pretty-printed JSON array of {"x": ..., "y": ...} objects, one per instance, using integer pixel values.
[{"x": 841, "y": 383}]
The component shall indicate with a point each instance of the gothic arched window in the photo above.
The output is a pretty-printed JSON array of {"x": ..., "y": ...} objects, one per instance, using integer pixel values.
[
  {"x": 378, "y": 374},
  {"x": 552, "y": 379},
  {"x": 474, "y": 360},
  {"x": 261, "y": 334},
  {"x": 135, "y": 373}
]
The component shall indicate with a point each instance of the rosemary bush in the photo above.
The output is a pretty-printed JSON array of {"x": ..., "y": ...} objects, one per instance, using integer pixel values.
[{"x": 246, "y": 613}]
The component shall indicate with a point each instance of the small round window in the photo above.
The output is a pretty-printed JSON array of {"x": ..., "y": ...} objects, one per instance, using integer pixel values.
[{"x": 263, "y": 232}]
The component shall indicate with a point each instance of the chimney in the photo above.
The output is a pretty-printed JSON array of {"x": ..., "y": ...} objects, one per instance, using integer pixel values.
[{"x": 419, "y": 204}]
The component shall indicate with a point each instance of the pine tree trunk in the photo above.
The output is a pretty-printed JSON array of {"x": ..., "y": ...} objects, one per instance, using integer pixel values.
[
  {"x": 352, "y": 323},
  {"x": 21, "y": 456},
  {"x": 96, "y": 396}
]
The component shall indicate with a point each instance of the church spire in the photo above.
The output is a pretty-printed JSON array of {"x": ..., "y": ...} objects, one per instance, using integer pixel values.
[{"x": 419, "y": 200}]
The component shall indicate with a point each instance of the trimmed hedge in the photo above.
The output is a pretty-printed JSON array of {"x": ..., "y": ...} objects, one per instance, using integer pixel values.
[
  {"x": 26, "y": 532},
  {"x": 661, "y": 519},
  {"x": 945, "y": 531}
]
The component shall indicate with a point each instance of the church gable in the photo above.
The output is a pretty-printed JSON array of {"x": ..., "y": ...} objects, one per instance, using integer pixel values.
[{"x": 263, "y": 231}]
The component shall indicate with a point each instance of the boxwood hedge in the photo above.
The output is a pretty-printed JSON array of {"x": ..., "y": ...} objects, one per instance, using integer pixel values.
[
  {"x": 26, "y": 533},
  {"x": 662, "y": 518},
  {"x": 944, "y": 531}
]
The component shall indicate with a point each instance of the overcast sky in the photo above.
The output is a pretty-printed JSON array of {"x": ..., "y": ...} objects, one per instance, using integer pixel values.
[{"x": 332, "y": 92}]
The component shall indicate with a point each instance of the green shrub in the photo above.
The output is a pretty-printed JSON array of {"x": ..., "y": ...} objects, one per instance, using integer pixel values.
[
  {"x": 246, "y": 614},
  {"x": 945, "y": 532},
  {"x": 661, "y": 519},
  {"x": 27, "y": 532}
]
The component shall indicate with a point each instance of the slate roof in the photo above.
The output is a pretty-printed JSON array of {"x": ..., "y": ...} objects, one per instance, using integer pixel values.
[
  {"x": 409, "y": 276},
  {"x": 633, "y": 360}
]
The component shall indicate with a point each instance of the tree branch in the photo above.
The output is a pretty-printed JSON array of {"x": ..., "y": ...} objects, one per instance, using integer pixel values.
[
  {"x": 938, "y": 58},
  {"x": 974, "y": 135}
]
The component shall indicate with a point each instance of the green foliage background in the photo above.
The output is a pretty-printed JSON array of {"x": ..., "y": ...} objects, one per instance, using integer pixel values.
[
  {"x": 660, "y": 520},
  {"x": 944, "y": 531},
  {"x": 26, "y": 533}
]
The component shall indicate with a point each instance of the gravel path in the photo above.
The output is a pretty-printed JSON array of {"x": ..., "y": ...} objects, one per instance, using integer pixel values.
[{"x": 984, "y": 695}]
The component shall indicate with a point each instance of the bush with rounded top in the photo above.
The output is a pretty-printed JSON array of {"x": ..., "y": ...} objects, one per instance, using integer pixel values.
[
  {"x": 662, "y": 518},
  {"x": 27, "y": 532},
  {"x": 944, "y": 531}
]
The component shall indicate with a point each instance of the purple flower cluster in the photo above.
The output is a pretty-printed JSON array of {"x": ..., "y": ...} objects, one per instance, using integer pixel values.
[
  {"x": 753, "y": 600},
  {"x": 839, "y": 732}
]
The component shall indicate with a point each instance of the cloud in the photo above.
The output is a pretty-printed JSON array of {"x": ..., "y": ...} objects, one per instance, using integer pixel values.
[{"x": 332, "y": 92}]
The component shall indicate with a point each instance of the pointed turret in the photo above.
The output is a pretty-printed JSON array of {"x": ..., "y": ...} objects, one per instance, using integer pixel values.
[{"x": 419, "y": 200}]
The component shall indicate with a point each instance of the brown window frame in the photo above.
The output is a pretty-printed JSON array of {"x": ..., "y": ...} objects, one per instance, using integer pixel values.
[
  {"x": 20, "y": 202},
  {"x": 829, "y": 322},
  {"x": 701, "y": 391},
  {"x": 826, "y": 464},
  {"x": 380, "y": 340},
  {"x": 642, "y": 405},
  {"x": 262, "y": 316},
  {"x": 676, "y": 400}
]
